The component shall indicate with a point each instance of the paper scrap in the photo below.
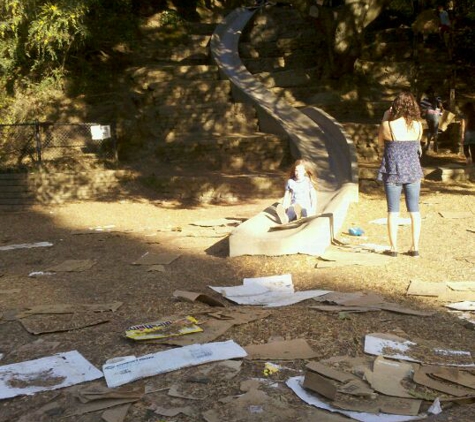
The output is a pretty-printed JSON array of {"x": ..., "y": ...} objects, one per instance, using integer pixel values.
[
  {"x": 26, "y": 246},
  {"x": 170, "y": 360},
  {"x": 272, "y": 291},
  {"x": 163, "y": 329},
  {"x": 39, "y": 273},
  {"x": 44, "y": 374},
  {"x": 295, "y": 384}
]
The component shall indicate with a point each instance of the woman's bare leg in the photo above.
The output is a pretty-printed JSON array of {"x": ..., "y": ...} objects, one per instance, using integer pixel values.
[
  {"x": 393, "y": 218},
  {"x": 416, "y": 229}
]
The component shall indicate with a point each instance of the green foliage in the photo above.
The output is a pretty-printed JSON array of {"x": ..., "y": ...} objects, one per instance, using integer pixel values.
[
  {"x": 55, "y": 31},
  {"x": 170, "y": 18}
]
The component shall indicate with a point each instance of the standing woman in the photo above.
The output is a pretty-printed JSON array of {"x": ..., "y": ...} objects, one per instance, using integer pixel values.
[
  {"x": 468, "y": 132},
  {"x": 399, "y": 136}
]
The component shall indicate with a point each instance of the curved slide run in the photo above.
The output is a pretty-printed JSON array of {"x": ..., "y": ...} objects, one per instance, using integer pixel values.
[{"x": 314, "y": 135}]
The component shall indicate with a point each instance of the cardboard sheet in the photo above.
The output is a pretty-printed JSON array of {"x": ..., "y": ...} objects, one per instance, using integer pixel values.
[
  {"x": 455, "y": 293},
  {"x": 64, "y": 308},
  {"x": 463, "y": 378},
  {"x": 387, "y": 376},
  {"x": 295, "y": 384},
  {"x": 421, "y": 376},
  {"x": 197, "y": 297},
  {"x": 217, "y": 324},
  {"x": 48, "y": 373},
  {"x": 42, "y": 324},
  {"x": 287, "y": 349},
  {"x": 129, "y": 370},
  {"x": 72, "y": 265}
]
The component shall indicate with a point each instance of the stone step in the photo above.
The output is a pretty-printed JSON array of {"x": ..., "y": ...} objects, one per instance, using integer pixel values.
[
  {"x": 452, "y": 173},
  {"x": 385, "y": 73},
  {"x": 230, "y": 153},
  {"x": 290, "y": 78},
  {"x": 192, "y": 93},
  {"x": 216, "y": 187},
  {"x": 283, "y": 46},
  {"x": 54, "y": 188},
  {"x": 388, "y": 50},
  {"x": 402, "y": 33},
  {"x": 200, "y": 28},
  {"x": 273, "y": 64},
  {"x": 183, "y": 54},
  {"x": 144, "y": 76},
  {"x": 202, "y": 112}
]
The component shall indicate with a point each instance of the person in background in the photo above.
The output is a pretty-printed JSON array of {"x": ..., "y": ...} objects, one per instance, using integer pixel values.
[
  {"x": 399, "y": 138},
  {"x": 432, "y": 108},
  {"x": 468, "y": 132},
  {"x": 300, "y": 197}
]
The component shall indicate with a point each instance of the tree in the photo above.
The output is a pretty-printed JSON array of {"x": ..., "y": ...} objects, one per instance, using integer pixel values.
[{"x": 342, "y": 26}]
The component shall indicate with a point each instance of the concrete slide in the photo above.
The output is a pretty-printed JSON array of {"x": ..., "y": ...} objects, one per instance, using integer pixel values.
[{"x": 313, "y": 135}]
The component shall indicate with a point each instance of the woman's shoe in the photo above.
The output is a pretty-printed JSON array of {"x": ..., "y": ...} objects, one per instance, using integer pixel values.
[
  {"x": 391, "y": 253},
  {"x": 414, "y": 254}
]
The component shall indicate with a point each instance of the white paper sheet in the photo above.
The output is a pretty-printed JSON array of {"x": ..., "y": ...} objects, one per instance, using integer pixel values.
[
  {"x": 379, "y": 345},
  {"x": 462, "y": 306},
  {"x": 170, "y": 360},
  {"x": 48, "y": 373},
  {"x": 272, "y": 291},
  {"x": 294, "y": 384},
  {"x": 26, "y": 246}
]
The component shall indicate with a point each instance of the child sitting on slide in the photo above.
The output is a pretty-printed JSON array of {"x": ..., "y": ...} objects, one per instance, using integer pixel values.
[{"x": 300, "y": 198}]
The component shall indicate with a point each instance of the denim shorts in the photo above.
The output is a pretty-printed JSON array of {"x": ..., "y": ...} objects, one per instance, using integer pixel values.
[{"x": 411, "y": 195}]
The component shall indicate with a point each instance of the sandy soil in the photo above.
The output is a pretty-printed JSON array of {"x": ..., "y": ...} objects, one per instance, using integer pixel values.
[{"x": 137, "y": 227}]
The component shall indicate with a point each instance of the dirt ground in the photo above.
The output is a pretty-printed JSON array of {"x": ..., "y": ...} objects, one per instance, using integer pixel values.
[{"x": 134, "y": 227}]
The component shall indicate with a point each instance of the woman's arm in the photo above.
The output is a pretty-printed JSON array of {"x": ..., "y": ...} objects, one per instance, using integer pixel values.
[{"x": 381, "y": 137}]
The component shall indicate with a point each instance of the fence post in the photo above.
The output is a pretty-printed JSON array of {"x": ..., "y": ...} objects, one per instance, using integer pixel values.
[{"x": 38, "y": 140}]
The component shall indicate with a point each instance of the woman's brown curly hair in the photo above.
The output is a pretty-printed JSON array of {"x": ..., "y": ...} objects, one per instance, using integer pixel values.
[{"x": 405, "y": 105}]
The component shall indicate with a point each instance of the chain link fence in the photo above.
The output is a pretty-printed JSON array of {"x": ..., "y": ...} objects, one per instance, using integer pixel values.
[{"x": 29, "y": 144}]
